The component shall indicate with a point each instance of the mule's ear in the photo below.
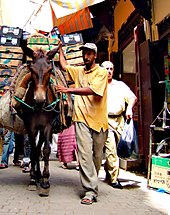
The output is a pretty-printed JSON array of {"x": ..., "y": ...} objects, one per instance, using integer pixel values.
[
  {"x": 29, "y": 52},
  {"x": 52, "y": 53}
]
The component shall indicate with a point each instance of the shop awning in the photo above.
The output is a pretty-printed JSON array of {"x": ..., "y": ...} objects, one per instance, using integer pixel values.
[
  {"x": 68, "y": 15},
  {"x": 71, "y": 16}
]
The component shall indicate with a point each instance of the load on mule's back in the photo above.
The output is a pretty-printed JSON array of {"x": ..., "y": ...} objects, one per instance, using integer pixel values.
[{"x": 39, "y": 107}]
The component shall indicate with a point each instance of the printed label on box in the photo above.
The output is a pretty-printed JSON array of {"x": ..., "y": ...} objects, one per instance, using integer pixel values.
[{"x": 160, "y": 177}]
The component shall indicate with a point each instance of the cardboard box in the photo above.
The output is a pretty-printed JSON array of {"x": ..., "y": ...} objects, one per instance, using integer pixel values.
[
  {"x": 73, "y": 54},
  {"x": 71, "y": 48},
  {"x": 75, "y": 61},
  {"x": 6, "y": 72},
  {"x": 5, "y": 81},
  {"x": 10, "y": 57},
  {"x": 43, "y": 43},
  {"x": 11, "y": 49},
  {"x": 33, "y": 40},
  {"x": 160, "y": 173}
]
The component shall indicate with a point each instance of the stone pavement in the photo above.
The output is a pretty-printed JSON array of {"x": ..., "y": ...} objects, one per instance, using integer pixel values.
[{"x": 65, "y": 192}]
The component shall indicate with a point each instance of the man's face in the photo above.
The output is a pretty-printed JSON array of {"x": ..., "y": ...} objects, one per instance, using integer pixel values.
[
  {"x": 110, "y": 69},
  {"x": 89, "y": 57}
]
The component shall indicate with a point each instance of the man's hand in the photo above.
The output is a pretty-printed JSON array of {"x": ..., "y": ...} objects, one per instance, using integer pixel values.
[
  {"x": 62, "y": 89},
  {"x": 129, "y": 113}
]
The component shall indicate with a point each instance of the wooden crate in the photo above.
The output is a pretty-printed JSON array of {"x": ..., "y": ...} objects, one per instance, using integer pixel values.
[
  {"x": 160, "y": 173},
  {"x": 129, "y": 164}
]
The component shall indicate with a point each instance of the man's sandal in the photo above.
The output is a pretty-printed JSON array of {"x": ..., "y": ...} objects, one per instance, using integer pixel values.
[{"x": 88, "y": 201}]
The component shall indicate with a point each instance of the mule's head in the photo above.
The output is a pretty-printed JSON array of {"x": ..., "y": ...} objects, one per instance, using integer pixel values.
[{"x": 41, "y": 69}]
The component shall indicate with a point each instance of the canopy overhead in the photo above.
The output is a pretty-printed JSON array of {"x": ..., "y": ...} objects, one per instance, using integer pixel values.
[{"x": 68, "y": 15}]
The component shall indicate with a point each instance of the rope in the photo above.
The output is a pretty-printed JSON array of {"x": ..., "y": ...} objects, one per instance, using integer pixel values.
[
  {"x": 21, "y": 101},
  {"x": 45, "y": 108}
]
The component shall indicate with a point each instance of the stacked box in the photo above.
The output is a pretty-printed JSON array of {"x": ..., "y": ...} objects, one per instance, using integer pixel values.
[
  {"x": 72, "y": 39},
  {"x": 10, "y": 36},
  {"x": 73, "y": 54},
  {"x": 160, "y": 173},
  {"x": 10, "y": 58},
  {"x": 37, "y": 42}
]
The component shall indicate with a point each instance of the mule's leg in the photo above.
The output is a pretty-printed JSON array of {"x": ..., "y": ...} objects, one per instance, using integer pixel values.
[
  {"x": 39, "y": 146},
  {"x": 32, "y": 138},
  {"x": 45, "y": 185}
]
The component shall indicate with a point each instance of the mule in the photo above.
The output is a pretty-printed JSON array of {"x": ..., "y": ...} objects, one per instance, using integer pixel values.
[{"x": 38, "y": 111}]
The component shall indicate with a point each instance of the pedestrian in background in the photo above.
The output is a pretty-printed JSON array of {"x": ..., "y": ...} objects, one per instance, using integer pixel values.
[
  {"x": 90, "y": 101},
  {"x": 67, "y": 147},
  {"x": 119, "y": 94},
  {"x": 8, "y": 147}
]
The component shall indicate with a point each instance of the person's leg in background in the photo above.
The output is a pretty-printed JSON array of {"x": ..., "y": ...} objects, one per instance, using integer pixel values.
[
  {"x": 111, "y": 165},
  {"x": 8, "y": 147},
  {"x": 19, "y": 148},
  {"x": 27, "y": 151}
]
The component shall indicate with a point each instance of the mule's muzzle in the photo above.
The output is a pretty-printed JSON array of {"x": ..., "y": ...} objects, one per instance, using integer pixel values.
[
  {"x": 39, "y": 104},
  {"x": 39, "y": 97}
]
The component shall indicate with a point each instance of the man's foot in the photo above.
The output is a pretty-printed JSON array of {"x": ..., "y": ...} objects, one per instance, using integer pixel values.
[
  {"x": 88, "y": 200},
  {"x": 26, "y": 169},
  {"x": 77, "y": 167},
  {"x": 3, "y": 166},
  {"x": 64, "y": 166},
  {"x": 117, "y": 185}
]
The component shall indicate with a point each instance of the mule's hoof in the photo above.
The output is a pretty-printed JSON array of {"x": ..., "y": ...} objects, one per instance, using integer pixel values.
[
  {"x": 44, "y": 192},
  {"x": 32, "y": 186}
]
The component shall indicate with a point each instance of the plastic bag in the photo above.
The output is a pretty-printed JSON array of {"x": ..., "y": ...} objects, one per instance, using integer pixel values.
[{"x": 128, "y": 145}]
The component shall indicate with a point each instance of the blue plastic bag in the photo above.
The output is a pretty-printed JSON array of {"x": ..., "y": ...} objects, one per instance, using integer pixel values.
[{"x": 128, "y": 145}]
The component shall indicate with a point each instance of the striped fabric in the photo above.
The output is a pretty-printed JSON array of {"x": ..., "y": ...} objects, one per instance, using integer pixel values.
[
  {"x": 67, "y": 145},
  {"x": 66, "y": 7},
  {"x": 71, "y": 16},
  {"x": 74, "y": 22}
]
